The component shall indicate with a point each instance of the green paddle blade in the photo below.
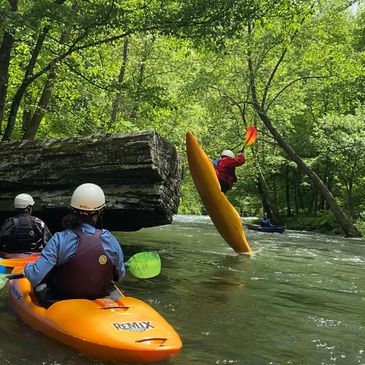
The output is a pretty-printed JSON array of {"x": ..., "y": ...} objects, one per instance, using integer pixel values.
[
  {"x": 4, "y": 278},
  {"x": 144, "y": 265}
]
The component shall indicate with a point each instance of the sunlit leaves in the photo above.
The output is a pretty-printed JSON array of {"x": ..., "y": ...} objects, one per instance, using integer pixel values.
[{"x": 187, "y": 70}]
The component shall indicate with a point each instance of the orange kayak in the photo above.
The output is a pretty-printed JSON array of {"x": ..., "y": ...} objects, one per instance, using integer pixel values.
[
  {"x": 123, "y": 330},
  {"x": 222, "y": 213}
]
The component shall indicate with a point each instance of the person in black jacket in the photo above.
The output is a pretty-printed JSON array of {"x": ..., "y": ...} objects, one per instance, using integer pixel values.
[{"x": 23, "y": 233}]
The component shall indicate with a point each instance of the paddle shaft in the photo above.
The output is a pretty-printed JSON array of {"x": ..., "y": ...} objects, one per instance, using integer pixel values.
[{"x": 16, "y": 276}]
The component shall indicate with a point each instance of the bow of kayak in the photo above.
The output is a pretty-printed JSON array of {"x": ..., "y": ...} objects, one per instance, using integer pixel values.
[{"x": 123, "y": 330}]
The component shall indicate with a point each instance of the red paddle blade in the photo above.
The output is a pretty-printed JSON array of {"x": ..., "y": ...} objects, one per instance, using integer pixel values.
[{"x": 251, "y": 135}]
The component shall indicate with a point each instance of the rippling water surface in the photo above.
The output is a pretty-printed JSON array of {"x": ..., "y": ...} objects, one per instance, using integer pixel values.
[{"x": 299, "y": 300}]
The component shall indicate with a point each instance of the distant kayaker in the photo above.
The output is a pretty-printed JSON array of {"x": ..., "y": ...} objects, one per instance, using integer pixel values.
[
  {"x": 83, "y": 260},
  {"x": 225, "y": 167},
  {"x": 23, "y": 233},
  {"x": 265, "y": 221}
]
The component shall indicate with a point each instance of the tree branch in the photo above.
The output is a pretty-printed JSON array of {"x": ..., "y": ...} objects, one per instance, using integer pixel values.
[
  {"x": 290, "y": 84},
  {"x": 78, "y": 73},
  {"x": 281, "y": 58}
]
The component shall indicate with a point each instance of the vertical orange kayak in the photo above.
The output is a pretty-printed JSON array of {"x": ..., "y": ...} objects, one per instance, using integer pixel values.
[{"x": 222, "y": 213}]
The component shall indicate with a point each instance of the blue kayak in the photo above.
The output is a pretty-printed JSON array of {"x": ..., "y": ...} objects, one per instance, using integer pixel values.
[{"x": 268, "y": 229}]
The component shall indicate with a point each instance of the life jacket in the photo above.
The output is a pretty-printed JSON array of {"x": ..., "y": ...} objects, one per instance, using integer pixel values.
[
  {"x": 265, "y": 222},
  {"x": 27, "y": 237},
  {"x": 215, "y": 162},
  {"x": 87, "y": 274}
]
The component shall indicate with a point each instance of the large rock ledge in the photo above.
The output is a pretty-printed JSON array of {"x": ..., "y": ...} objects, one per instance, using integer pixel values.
[{"x": 140, "y": 174}]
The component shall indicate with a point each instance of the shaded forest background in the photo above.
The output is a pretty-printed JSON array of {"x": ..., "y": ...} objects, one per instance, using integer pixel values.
[{"x": 293, "y": 68}]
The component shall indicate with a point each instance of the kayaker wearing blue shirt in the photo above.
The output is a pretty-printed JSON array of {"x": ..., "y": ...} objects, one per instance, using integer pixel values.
[
  {"x": 265, "y": 221},
  {"x": 82, "y": 261}
]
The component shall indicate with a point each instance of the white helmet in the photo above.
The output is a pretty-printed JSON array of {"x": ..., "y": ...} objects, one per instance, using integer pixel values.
[
  {"x": 88, "y": 197},
  {"x": 227, "y": 153},
  {"x": 22, "y": 201}
]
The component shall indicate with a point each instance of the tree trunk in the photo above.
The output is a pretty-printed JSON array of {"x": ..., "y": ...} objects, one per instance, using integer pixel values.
[
  {"x": 27, "y": 80},
  {"x": 32, "y": 127},
  {"x": 349, "y": 183},
  {"x": 148, "y": 47},
  {"x": 137, "y": 100},
  {"x": 348, "y": 228},
  {"x": 287, "y": 191},
  {"x": 118, "y": 96},
  {"x": 42, "y": 106},
  {"x": 27, "y": 112},
  {"x": 23, "y": 87},
  {"x": 5, "y": 51},
  {"x": 267, "y": 201},
  {"x": 274, "y": 189},
  {"x": 268, "y": 204}
]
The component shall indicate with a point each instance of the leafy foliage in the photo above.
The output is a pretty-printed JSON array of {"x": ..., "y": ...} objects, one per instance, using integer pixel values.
[{"x": 185, "y": 68}]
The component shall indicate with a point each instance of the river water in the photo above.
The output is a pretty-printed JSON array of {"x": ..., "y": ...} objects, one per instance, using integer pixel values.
[{"x": 299, "y": 300}]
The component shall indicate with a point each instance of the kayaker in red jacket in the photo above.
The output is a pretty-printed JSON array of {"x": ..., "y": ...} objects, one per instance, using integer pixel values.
[{"x": 225, "y": 168}]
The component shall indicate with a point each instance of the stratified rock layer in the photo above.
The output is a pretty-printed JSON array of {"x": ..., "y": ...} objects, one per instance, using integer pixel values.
[{"x": 140, "y": 174}]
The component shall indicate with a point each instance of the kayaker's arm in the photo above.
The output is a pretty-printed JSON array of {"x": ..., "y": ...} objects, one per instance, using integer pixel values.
[
  {"x": 36, "y": 272},
  {"x": 142, "y": 265},
  {"x": 239, "y": 160}
]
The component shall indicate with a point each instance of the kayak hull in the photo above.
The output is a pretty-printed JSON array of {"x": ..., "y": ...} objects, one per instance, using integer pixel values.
[
  {"x": 126, "y": 330},
  {"x": 9, "y": 256},
  {"x": 222, "y": 213},
  {"x": 269, "y": 229}
]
